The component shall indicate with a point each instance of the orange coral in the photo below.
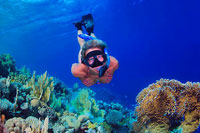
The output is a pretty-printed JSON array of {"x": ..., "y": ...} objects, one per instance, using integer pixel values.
[
  {"x": 162, "y": 105},
  {"x": 3, "y": 118},
  {"x": 2, "y": 126}
]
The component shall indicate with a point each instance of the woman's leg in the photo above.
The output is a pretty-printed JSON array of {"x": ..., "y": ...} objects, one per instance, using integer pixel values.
[
  {"x": 93, "y": 35},
  {"x": 81, "y": 42}
]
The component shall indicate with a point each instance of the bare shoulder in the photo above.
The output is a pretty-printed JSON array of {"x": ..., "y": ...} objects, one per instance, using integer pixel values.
[
  {"x": 114, "y": 62},
  {"x": 79, "y": 66},
  {"x": 79, "y": 69}
]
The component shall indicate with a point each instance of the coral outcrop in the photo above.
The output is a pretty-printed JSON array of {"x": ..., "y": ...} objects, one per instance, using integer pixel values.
[
  {"x": 114, "y": 117},
  {"x": 168, "y": 105}
]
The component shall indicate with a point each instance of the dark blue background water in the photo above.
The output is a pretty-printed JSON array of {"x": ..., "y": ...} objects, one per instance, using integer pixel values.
[{"x": 152, "y": 39}]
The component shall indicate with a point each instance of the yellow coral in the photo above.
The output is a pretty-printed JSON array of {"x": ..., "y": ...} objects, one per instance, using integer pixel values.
[
  {"x": 191, "y": 122},
  {"x": 41, "y": 88},
  {"x": 82, "y": 101},
  {"x": 92, "y": 125}
]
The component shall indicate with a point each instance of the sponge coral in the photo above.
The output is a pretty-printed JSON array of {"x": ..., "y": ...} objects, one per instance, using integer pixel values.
[{"x": 163, "y": 105}]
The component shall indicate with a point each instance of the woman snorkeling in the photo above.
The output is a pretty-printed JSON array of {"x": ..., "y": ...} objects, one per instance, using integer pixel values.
[{"x": 95, "y": 65}]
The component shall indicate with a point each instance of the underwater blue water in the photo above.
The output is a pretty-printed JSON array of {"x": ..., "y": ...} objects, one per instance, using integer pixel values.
[{"x": 152, "y": 39}]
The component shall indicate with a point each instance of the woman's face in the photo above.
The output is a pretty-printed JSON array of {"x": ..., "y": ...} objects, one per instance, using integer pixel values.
[{"x": 92, "y": 59}]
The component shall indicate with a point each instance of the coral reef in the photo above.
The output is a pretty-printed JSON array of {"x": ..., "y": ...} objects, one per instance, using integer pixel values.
[
  {"x": 168, "y": 105},
  {"x": 33, "y": 103}
]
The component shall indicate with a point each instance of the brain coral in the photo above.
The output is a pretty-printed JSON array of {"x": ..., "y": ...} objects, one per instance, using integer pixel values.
[{"x": 17, "y": 125}]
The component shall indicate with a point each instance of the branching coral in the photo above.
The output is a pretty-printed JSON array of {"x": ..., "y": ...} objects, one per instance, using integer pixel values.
[
  {"x": 82, "y": 101},
  {"x": 56, "y": 103},
  {"x": 161, "y": 106},
  {"x": 42, "y": 88}
]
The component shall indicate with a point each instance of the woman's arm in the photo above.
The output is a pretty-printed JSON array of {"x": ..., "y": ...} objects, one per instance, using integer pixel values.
[
  {"x": 114, "y": 65},
  {"x": 79, "y": 70},
  {"x": 110, "y": 71}
]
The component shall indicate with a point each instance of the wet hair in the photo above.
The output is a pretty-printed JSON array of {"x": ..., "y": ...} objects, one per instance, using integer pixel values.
[{"x": 96, "y": 43}]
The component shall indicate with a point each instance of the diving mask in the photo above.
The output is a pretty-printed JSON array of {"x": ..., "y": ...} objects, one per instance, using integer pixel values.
[{"x": 95, "y": 58}]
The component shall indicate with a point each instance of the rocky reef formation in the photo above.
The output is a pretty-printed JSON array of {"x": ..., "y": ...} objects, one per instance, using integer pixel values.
[{"x": 40, "y": 103}]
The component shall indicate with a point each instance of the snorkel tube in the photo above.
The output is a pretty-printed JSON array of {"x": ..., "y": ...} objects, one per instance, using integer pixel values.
[{"x": 102, "y": 69}]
